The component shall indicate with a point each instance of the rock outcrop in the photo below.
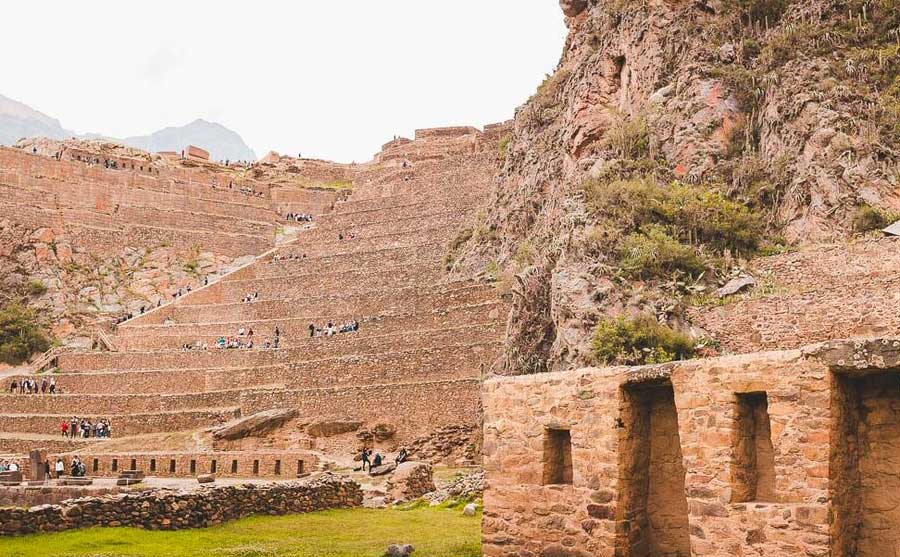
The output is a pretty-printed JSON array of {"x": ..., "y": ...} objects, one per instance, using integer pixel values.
[{"x": 790, "y": 108}]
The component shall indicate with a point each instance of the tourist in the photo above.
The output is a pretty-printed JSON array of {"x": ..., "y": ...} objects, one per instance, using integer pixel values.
[
  {"x": 64, "y": 427},
  {"x": 60, "y": 467},
  {"x": 365, "y": 460},
  {"x": 312, "y": 330},
  {"x": 402, "y": 455},
  {"x": 13, "y": 466},
  {"x": 376, "y": 462},
  {"x": 53, "y": 385},
  {"x": 47, "y": 475}
]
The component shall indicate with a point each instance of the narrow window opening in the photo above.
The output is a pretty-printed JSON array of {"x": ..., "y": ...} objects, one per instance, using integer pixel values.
[
  {"x": 133, "y": 464},
  {"x": 753, "y": 467},
  {"x": 234, "y": 466},
  {"x": 153, "y": 465},
  {"x": 115, "y": 465},
  {"x": 557, "y": 457},
  {"x": 96, "y": 464},
  {"x": 277, "y": 467},
  {"x": 212, "y": 467},
  {"x": 255, "y": 467},
  {"x": 172, "y": 466},
  {"x": 193, "y": 466},
  {"x": 299, "y": 467}
]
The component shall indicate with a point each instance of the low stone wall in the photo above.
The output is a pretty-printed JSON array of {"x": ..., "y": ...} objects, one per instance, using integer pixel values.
[
  {"x": 176, "y": 510},
  {"x": 26, "y": 496}
]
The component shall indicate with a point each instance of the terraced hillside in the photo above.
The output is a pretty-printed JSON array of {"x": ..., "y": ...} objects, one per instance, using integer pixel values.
[{"x": 410, "y": 376}]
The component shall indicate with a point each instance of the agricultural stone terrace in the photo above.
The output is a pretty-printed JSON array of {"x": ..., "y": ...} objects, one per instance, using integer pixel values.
[{"x": 410, "y": 376}]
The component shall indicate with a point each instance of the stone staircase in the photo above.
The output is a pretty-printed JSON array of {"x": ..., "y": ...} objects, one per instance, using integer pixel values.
[{"x": 415, "y": 363}]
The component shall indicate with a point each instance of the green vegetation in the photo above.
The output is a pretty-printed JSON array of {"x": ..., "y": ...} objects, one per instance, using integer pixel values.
[
  {"x": 653, "y": 229},
  {"x": 868, "y": 218},
  {"x": 337, "y": 185},
  {"x": 653, "y": 253},
  {"x": 629, "y": 136},
  {"x": 435, "y": 532},
  {"x": 638, "y": 341},
  {"x": 503, "y": 146},
  {"x": 463, "y": 236},
  {"x": 20, "y": 334},
  {"x": 36, "y": 288}
]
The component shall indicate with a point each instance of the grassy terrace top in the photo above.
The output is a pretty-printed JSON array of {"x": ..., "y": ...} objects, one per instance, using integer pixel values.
[{"x": 434, "y": 531}]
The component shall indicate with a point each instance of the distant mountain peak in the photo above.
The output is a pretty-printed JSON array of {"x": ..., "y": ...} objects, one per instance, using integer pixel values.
[{"x": 18, "y": 120}]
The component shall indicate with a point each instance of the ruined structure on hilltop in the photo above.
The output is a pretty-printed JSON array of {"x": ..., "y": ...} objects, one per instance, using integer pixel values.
[{"x": 410, "y": 376}]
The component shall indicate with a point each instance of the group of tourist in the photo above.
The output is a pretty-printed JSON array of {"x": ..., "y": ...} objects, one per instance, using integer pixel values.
[
  {"x": 78, "y": 468},
  {"x": 288, "y": 256},
  {"x": 85, "y": 429},
  {"x": 350, "y": 236},
  {"x": 250, "y": 297},
  {"x": 299, "y": 217},
  {"x": 9, "y": 466},
  {"x": 244, "y": 340},
  {"x": 28, "y": 386},
  {"x": 331, "y": 329},
  {"x": 377, "y": 460}
]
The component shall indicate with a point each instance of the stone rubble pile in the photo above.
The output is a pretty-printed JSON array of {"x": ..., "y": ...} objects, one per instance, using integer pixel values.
[{"x": 468, "y": 486}]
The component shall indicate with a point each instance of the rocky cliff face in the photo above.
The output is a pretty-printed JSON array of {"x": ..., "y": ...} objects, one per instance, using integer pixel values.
[{"x": 792, "y": 108}]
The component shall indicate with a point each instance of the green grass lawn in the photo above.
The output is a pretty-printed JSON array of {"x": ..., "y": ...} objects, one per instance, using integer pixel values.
[{"x": 435, "y": 532}]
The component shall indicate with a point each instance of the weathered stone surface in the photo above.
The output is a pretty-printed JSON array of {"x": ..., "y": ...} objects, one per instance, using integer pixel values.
[
  {"x": 410, "y": 480},
  {"x": 256, "y": 424},
  {"x": 399, "y": 550}
]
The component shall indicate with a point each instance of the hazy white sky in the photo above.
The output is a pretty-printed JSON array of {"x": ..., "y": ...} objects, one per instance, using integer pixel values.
[{"x": 330, "y": 79}]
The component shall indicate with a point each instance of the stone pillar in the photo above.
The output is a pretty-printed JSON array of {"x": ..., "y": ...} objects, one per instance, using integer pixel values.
[{"x": 36, "y": 458}]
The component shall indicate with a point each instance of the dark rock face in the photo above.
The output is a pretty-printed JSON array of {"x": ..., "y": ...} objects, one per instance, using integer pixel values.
[
  {"x": 166, "y": 509},
  {"x": 572, "y": 8}
]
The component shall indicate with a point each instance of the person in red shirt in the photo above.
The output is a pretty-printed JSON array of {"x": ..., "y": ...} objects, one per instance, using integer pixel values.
[{"x": 64, "y": 427}]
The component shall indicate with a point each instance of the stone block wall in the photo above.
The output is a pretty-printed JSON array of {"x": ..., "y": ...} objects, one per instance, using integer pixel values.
[
  {"x": 660, "y": 463},
  {"x": 175, "y": 510}
]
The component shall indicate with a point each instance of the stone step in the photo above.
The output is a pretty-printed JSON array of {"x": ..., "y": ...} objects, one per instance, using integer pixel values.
[
  {"x": 428, "y": 364},
  {"x": 312, "y": 348},
  {"x": 312, "y": 284},
  {"x": 294, "y": 333},
  {"x": 122, "y": 425},
  {"x": 361, "y": 302}
]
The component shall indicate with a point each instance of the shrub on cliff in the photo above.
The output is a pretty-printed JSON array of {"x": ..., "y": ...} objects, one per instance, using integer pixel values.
[
  {"x": 638, "y": 341},
  {"x": 20, "y": 334},
  {"x": 652, "y": 252},
  {"x": 868, "y": 218},
  {"x": 660, "y": 228}
]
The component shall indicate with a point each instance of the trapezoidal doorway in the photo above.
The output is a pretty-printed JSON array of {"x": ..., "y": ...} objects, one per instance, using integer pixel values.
[
  {"x": 652, "y": 516},
  {"x": 865, "y": 465}
]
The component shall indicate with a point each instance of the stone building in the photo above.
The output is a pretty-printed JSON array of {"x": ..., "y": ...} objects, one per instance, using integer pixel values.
[{"x": 793, "y": 452}]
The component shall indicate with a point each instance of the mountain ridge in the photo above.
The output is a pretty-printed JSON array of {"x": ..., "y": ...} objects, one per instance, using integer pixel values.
[{"x": 18, "y": 120}]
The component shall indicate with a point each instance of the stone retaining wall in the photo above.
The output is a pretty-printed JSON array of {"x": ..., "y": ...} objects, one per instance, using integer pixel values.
[{"x": 175, "y": 510}]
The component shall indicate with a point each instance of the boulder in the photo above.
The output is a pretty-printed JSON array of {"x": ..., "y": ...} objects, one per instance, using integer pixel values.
[
  {"x": 411, "y": 480},
  {"x": 206, "y": 478},
  {"x": 249, "y": 426},
  {"x": 398, "y": 550},
  {"x": 735, "y": 285},
  {"x": 470, "y": 510},
  {"x": 382, "y": 470}
]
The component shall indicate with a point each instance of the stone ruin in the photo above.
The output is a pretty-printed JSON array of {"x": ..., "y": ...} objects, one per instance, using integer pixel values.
[
  {"x": 772, "y": 453},
  {"x": 411, "y": 376}
]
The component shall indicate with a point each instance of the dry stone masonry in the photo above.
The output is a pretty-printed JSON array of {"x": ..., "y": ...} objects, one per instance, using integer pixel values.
[
  {"x": 773, "y": 453},
  {"x": 176, "y": 510}
]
